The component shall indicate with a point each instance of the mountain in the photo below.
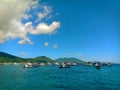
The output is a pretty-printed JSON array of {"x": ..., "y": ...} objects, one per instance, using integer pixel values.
[
  {"x": 6, "y": 55},
  {"x": 8, "y": 58},
  {"x": 39, "y": 59},
  {"x": 69, "y": 60}
]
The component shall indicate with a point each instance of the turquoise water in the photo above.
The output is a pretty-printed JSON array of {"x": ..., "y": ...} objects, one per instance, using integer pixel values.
[{"x": 15, "y": 77}]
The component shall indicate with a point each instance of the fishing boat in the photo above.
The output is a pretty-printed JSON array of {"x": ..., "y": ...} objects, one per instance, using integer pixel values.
[
  {"x": 109, "y": 64},
  {"x": 64, "y": 65},
  {"x": 30, "y": 65},
  {"x": 97, "y": 65}
]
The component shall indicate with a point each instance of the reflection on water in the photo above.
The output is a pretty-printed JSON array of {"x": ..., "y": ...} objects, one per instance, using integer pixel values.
[{"x": 15, "y": 77}]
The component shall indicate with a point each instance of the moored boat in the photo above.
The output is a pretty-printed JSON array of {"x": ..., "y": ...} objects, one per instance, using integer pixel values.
[
  {"x": 109, "y": 64},
  {"x": 30, "y": 65},
  {"x": 64, "y": 65},
  {"x": 97, "y": 65}
]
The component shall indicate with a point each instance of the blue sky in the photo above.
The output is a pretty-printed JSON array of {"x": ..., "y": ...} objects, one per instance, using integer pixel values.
[{"x": 86, "y": 29}]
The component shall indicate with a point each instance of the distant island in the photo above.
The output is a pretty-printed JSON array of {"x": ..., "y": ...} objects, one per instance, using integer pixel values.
[
  {"x": 8, "y": 58},
  {"x": 70, "y": 60}
]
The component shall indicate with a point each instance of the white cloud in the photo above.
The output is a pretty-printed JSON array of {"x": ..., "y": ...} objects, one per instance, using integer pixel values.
[
  {"x": 25, "y": 41},
  {"x": 79, "y": 54},
  {"x": 43, "y": 14},
  {"x": 23, "y": 54},
  {"x": 46, "y": 44},
  {"x": 43, "y": 28},
  {"x": 55, "y": 46},
  {"x": 26, "y": 16},
  {"x": 11, "y": 12},
  {"x": 11, "y": 27},
  {"x": 18, "y": 30}
]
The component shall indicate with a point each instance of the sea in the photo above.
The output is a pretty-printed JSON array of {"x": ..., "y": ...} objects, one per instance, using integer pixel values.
[{"x": 16, "y": 77}]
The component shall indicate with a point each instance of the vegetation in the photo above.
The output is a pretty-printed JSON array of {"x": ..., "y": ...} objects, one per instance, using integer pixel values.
[
  {"x": 7, "y": 58},
  {"x": 69, "y": 60},
  {"x": 39, "y": 59}
]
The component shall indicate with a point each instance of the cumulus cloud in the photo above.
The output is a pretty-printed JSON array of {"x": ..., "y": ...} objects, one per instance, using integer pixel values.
[
  {"x": 43, "y": 28},
  {"x": 55, "y": 46},
  {"x": 46, "y": 44},
  {"x": 25, "y": 16},
  {"x": 11, "y": 14}
]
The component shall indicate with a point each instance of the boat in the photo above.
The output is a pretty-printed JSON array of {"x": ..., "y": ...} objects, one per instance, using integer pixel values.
[
  {"x": 15, "y": 63},
  {"x": 104, "y": 64},
  {"x": 109, "y": 64},
  {"x": 97, "y": 65},
  {"x": 41, "y": 64},
  {"x": 30, "y": 65},
  {"x": 56, "y": 63},
  {"x": 64, "y": 65},
  {"x": 73, "y": 64}
]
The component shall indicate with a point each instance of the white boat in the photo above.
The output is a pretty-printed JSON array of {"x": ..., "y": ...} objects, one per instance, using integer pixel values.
[
  {"x": 41, "y": 64},
  {"x": 15, "y": 63},
  {"x": 5, "y": 63},
  {"x": 64, "y": 65},
  {"x": 74, "y": 64},
  {"x": 56, "y": 63},
  {"x": 49, "y": 63},
  {"x": 28, "y": 65}
]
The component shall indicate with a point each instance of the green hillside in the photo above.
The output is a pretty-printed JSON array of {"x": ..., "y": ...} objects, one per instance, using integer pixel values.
[
  {"x": 8, "y": 58},
  {"x": 69, "y": 60},
  {"x": 6, "y": 55},
  {"x": 39, "y": 59}
]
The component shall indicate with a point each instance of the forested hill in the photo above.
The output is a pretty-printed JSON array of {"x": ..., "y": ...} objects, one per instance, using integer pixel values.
[
  {"x": 69, "y": 60},
  {"x": 6, "y": 55},
  {"x": 8, "y": 58}
]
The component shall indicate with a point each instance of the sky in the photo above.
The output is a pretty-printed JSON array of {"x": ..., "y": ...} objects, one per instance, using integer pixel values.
[{"x": 85, "y": 29}]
